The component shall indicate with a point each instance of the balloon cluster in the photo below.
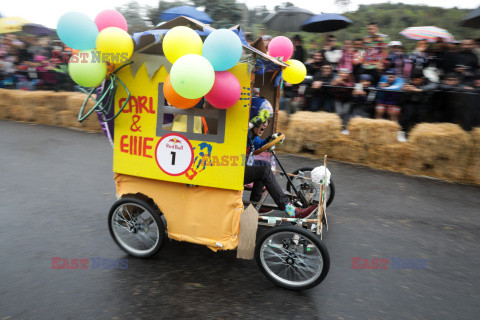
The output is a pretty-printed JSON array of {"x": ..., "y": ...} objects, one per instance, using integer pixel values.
[
  {"x": 282, "y": 47},
  {"x": 100, "y": 42},
  {"x": 200, "y": 68}
]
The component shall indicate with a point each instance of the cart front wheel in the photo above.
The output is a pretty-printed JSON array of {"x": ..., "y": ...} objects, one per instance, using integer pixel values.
[
  {"x": 292, "y": 257},
  {"x": 136, "y": 227}
]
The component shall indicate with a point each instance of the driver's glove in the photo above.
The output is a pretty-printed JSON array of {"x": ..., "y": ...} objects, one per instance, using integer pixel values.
[{"x": 275, "y": 135}]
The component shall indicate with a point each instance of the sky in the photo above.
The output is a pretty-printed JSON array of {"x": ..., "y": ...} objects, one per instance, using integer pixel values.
[{"x": 47, "y": 12}]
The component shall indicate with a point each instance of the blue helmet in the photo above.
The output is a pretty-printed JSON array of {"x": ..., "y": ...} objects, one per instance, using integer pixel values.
[{"x": 260, "y": 111}]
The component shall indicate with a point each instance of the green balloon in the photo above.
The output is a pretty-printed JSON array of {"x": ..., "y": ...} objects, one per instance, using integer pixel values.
[
  {"x": 86, "y": 70},
  {"x": 192, "y": 76}
]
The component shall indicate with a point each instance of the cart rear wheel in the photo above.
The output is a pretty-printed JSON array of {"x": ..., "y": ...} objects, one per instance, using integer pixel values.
[
  {"x": 292, "y": 257},
  {"x": 306, "y": 186},
  {"x": 136, "y": 227}
]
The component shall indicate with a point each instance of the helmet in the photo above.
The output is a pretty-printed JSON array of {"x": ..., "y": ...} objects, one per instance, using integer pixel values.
[{"x": 260, "y": 111}]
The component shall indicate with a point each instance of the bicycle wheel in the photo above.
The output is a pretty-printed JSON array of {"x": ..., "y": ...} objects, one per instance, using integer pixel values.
[
  {"x": 136, "y": 227},
  {"x": 292, "y": 257},
  {"x": 306, "y": 186}
]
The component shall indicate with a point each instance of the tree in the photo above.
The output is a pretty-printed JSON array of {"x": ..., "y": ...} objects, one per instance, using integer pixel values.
[
  {"x": 225, "y": 13},
  {"x": 134, "y": 14},
  {"x": 153, "y": 14}
]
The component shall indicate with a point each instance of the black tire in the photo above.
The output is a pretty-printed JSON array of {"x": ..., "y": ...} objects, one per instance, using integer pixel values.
[
  {"x": 331, "y": 186},
  {"x": 140, "y": 210},
  {"x": 293, "y": 261}
]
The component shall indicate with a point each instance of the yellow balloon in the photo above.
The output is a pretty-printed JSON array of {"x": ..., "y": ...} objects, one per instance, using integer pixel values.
[
  {"x": 180, "y": 41},
  {"x": 295, "y": 72},
  {"x": 115, "y": 45}
]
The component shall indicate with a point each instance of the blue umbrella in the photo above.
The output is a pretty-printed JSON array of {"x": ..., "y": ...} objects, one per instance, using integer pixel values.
[
  {"x": 37, "y": 29},
  {"x": 187, "y": 11},
  {"x": 326, "y": 22}
]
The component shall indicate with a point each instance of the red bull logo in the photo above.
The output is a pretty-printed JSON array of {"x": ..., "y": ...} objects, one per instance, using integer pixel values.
[{"x": 174, "y": 144}]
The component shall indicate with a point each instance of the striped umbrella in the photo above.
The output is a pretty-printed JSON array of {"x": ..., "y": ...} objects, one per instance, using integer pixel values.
[{"x": 427, "y": 33}]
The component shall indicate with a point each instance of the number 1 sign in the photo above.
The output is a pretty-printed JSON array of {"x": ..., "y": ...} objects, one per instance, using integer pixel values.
[{"x": 174, "y": 154}]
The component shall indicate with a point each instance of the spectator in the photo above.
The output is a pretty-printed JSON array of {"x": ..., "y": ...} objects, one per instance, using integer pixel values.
[
  {"x": 315, "y": 63},
  {"x": 397, "y": 60},
  {"x": 419, "y": 57},
  {"x": 299, "y": 52},
  {"x": 476, "y": 50},
  {"x": 358, "y": 57},
  {"x": 363, "y": 97},
  {"x": 331, "y": 52},
  {"x": 376, "y": 45},
  {"x": 466, "y": 61},
  {"x": 389, "y": 97},
  {"x": 321, "y": 99},
  {"x": 444, "y": 57},
  {"x": 415, "y": 101},
  {"x": 343, "y": 96},
  {"x": 346, "y": 61}
]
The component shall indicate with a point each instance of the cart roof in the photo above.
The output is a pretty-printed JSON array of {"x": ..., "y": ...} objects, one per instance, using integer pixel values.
[{"x": 148, "y": 42}]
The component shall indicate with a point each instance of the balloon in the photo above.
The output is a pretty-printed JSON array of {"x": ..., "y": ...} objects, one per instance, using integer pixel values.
[
  {"x": 115, "y": 44},
  {"x": 77, "y": 31},
  {"x": 295, "y": 72},
  {"x": 192, "y": 76},
  {"x": 223, "y": 49},
  {"x": 281, "y": 47},
  {"x": 226, "y": 90},
  {"x": 175, "y": 99},
  {"x": 180, "y": 41},
  {"x": 110, "y": 18},
  {"x": 85, "y": 71}
]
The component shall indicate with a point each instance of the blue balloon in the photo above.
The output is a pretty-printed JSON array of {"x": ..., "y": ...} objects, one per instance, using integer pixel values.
[
  {"x": 77, "y": 31},
  {"x": 223, "y": 49}
]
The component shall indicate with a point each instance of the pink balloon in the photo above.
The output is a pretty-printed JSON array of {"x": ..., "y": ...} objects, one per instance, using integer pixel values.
[
  {"x": 110, "y": 18},
  {"x": 281, "y": 47},
  {"x": 225, "y": 92}
]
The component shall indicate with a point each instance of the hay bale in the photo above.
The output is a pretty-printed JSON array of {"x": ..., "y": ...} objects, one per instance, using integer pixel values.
[
  {"x": 23, "y": 113},
  {"x": 441, "y": 150},
  {"x": 67, "y": 118},
  {"x": 396, "y": 156},
  {"x": 8, "y": 103},
  {"x": 311, "y": 128},
  {"x": 290, "y": 145},
  {"x": 345, "y": 149},
  {"x": 59, "y": 100},
  {"x": 473, "y": 173},
  {"x": 282, "y": 121},
  {"x": 45, "y": 115},
  {"x": 91, "y": 123},
  {"x": 373, "y": 131}
]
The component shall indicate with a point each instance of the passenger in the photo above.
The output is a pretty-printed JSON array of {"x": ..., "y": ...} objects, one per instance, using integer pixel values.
[{"x": 260, "y": 173}]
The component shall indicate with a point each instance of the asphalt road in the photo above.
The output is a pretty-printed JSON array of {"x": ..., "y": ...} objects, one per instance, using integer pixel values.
[{"x": 56, "y": 187}]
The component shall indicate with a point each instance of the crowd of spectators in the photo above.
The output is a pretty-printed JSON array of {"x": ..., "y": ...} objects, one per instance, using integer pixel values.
[
  {"x": 31, "y": 63},
  {"x": 375, "y": 77}
]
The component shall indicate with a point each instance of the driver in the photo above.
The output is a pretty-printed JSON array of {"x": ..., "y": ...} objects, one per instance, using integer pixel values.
[{"x": 260, "y": 172}]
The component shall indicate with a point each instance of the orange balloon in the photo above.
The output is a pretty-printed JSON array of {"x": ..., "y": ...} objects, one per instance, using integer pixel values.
[{"x": 175, "y": 99}]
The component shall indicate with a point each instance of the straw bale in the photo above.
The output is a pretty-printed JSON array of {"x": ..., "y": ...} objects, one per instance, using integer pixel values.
[
  {"x": 313, "y": 127},
  {"x": 444, "y": 141},
  {"x": 290, "y": 145},
  {"x": 91, "y": 123},
  {"x": 396, "y": 156},
  {"x": 44, "y": 115},
  {"x": 473, "y": 173},
  {"x": 68, "y": 118},
  {"x": 282, "y": 121},
  {"x": 345, "y": 149},
  {"x": 23, "y": 113},
  {"x": 58, "y": 101},
  {"x": 373, "y": 131}
]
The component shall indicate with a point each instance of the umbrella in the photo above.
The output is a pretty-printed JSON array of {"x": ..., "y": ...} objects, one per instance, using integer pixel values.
[
  {"x": 187, "y": 11},
  {"x": 326, "y": 22},
  {"x": 287, "y": 19},
  {"x": 427, "y": 33},
  {"x": 12, "y": 24},
  {"x": 472, "y": 20},
  {"x": 37, "y": 29}
]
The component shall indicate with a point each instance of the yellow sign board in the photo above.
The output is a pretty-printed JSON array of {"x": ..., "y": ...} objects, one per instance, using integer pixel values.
[{"x": 195, "y": 146}]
